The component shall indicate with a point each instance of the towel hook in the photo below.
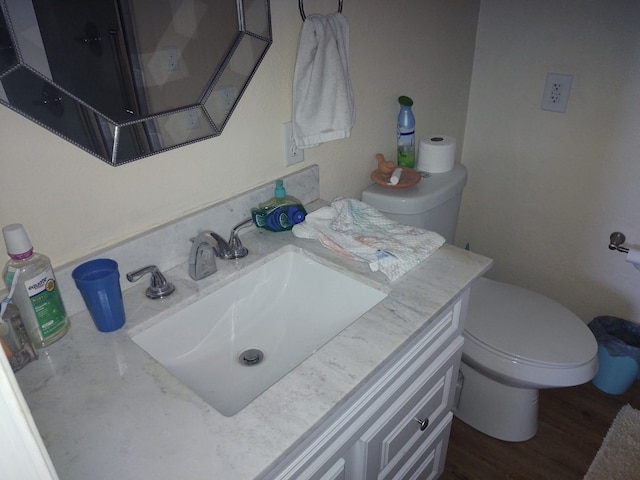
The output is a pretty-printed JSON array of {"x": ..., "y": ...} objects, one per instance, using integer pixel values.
[{"x": 301, "y": 7}]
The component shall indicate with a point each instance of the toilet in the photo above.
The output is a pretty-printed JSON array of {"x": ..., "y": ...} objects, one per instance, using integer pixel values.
[{"x": 516, "y": 341}]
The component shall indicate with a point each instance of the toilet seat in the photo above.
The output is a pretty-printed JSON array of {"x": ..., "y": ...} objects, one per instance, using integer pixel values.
[{"x": 517, "y": 335}]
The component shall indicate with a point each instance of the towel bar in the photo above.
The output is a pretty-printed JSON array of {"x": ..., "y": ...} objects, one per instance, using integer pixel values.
[{"x": 301, "y": 7}]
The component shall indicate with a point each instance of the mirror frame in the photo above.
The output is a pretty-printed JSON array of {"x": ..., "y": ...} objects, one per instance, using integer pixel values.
[{"x": 54, "y": 108}]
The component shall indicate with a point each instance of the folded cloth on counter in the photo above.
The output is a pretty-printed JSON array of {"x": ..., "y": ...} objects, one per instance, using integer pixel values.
[
  {"x": 358, "y": 231},
  {"x": 323, "y": 104}
]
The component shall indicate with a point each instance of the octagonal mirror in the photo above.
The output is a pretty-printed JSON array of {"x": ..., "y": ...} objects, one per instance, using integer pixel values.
[{"x": 125, "y": 79}]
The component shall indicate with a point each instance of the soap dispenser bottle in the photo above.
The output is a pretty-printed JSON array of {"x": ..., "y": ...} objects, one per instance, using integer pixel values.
[{"x": 280, "y": 213}]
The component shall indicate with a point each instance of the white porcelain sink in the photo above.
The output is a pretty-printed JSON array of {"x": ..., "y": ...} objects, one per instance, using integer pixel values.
[{"x": 286, "y": 308}]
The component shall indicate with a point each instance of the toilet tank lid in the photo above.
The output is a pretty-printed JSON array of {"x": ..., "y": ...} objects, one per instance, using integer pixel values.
[
  {"x": 523, "y": 324},
  {"x": 429, "y": 193}
]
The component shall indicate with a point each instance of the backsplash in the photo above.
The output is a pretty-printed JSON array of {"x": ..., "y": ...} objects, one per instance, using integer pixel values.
[{"x": 168, "y": 246}]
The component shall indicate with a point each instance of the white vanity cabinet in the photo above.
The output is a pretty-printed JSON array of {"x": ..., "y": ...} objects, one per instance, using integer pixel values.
[{"x": 396, "y": 425}]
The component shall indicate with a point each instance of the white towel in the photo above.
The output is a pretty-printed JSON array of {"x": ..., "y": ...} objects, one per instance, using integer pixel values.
[
  {"x": 358, "y": 231},
  {"x": 323, "y": 104}
]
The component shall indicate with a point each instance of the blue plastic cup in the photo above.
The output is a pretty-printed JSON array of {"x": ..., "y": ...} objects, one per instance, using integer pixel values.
[{"x": 99, "y": 283}]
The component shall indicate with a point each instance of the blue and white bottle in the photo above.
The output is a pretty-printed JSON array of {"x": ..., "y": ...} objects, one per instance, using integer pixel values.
[{"x": 406, "y": 134}]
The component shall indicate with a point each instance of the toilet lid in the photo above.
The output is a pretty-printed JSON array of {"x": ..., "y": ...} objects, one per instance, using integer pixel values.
[{"x": 526, "y": 325}]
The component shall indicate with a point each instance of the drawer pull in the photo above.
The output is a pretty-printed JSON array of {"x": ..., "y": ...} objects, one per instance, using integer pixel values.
[{"x": 423, "y": 423}]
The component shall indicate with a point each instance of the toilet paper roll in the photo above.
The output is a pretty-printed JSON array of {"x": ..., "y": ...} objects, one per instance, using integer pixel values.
[
  {"x": 436, "y": 154},
  {"x": 633, "y": 256}
]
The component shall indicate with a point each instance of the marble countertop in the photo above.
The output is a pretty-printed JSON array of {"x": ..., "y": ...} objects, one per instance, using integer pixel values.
[{"x": 106, "y": 409}]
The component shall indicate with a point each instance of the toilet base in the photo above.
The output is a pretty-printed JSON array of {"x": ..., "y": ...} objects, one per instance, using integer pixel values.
[{"x": 495, "y": 409}]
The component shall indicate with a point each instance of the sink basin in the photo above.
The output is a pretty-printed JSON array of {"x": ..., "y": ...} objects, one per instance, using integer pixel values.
[{"x": 233, "y": 344}]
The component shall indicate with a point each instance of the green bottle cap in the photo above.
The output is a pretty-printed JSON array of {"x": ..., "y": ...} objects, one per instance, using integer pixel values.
[
  {"x": 405, "y": 101},
  {"x": 280, "y": 191}
]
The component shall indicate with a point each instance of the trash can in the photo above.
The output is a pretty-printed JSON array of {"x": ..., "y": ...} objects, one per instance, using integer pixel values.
[{"x": 618, "y": 353}]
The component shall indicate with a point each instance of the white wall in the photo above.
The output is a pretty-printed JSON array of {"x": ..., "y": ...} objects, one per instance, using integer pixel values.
[
  {"x": 73, "y": 204},
  {"x": 546, "y": 189}
]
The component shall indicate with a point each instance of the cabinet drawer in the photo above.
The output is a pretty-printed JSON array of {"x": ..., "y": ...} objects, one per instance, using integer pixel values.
[
  {"x": 416, "y": 412},
  {"x": 427, "y": 462}
]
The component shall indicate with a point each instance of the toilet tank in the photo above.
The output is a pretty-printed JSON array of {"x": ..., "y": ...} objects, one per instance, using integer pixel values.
[{"x": 432, "y": 204}]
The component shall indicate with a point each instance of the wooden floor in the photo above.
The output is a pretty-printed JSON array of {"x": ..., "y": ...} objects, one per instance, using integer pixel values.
[{"x": 572, "y": 424}]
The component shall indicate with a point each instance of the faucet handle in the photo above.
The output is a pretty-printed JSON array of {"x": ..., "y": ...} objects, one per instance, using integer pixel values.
[
  {"x": 237, "y": 249},
  {"x": 235, "y": 245},
  {"x": 159, "y": 287}
]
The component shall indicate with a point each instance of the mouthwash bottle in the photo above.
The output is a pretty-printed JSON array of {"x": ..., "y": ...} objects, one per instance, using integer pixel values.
[
  {"x": 406, "y": 134},
  {"x": 36, "y": 292},
  {"x": 280, "y": 213}
]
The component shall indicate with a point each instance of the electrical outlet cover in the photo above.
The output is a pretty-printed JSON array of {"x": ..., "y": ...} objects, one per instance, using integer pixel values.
[
  {"x": 171, "y": 56},
  {"x": 191, "y": 119},
  {"x": 556, "y": 92}
]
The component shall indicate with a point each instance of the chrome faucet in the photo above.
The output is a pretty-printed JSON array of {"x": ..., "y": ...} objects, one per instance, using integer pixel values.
[
  {"x": 202, "y": 259},
  {"x": 208, "y": 245}
]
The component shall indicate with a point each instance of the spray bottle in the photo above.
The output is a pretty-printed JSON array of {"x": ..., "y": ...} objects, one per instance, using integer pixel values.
[{"x": 406, "y": 134}]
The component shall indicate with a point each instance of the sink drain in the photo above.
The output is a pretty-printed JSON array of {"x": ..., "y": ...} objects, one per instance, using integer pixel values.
[{"x": 251, "y": 357}]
